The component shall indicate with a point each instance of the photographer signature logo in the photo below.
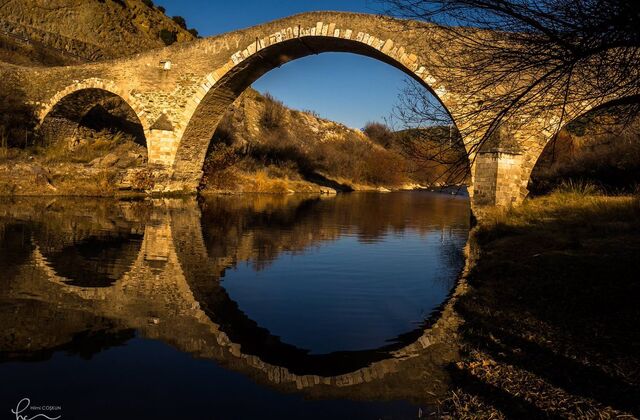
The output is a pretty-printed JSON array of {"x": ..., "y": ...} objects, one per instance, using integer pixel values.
[{"x": 25, "y": 404}]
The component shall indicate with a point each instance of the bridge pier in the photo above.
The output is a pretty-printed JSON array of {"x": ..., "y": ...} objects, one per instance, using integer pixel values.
[
  {"x": 499, "y": 178},
  {"x": 162, "y": 146}
]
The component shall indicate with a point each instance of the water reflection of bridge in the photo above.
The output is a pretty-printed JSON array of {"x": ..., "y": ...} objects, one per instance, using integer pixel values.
[{"x": 167, "y": 288}]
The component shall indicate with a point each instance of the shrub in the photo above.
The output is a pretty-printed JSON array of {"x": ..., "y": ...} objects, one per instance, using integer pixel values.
[
  {"x": 194, "y": 32},
  {"x": 143, "y": 180},
  {"x": 168, "y": 37},
  {"x": 225, "y": 132},
  {"x": 278, "y": 148},
  {"x": 379, "y": 133},
  {"x": 273, "y": 113},
  {"x": 579, "y": 187},
  {"x": 148, "y": 3},
  {"x": 383, "y": 167},
  {"x": 180, "y": 21},
  {"x": 162, "y": 9},
  {"x": 17, "y": 119}
]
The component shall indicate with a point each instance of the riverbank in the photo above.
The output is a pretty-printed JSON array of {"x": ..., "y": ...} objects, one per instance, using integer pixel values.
[
  {"x": 550, "y": 315},
  {"x": 123, "y": 172}
]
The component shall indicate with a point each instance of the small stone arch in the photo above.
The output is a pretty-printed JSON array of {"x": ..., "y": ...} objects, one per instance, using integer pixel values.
[
  {"x": 62, "y": 114},
  {"x": 573, "y": 113},
  {"x": 218, "y": 89}
]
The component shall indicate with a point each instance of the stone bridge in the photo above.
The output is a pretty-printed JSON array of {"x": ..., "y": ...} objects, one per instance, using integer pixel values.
[
  {"x": 179, "y": 94},
  {"x": 171, "y": 291}
]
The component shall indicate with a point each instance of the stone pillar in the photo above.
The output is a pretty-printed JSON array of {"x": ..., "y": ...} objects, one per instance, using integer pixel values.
[
  {"x": 162, "y": 146},
  {"x": 497, "y": 178}
]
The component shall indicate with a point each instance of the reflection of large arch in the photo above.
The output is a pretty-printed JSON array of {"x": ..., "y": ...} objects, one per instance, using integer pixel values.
[
  {"x": 61, "y": 116},
  {"x": 282, "y": 362},
  {"x": 222, "y": 86}
]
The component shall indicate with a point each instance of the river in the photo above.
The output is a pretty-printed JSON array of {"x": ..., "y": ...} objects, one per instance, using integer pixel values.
[{"x": 249, "y": 306}]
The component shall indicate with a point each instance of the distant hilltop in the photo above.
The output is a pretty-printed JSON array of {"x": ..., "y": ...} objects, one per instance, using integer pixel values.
[{"x": 61, "y": 32}]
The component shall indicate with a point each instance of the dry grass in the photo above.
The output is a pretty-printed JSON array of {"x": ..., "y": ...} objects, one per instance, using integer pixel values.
[
  {"x": 551, "y": 316},
  {"x": 98, "y": 145},
  {"x": 572, "y": 204}
]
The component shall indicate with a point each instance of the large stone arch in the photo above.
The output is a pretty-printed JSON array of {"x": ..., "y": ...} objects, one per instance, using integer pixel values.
[
  {"x": 62, "y": 114},
  {"x": 221, "y": 87}
]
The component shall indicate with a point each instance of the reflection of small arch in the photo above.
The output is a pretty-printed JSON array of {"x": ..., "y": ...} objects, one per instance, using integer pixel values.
[{"x": 94, "y": 261}]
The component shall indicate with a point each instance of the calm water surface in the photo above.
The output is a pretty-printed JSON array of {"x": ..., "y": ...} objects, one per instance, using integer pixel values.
[{"x": 231, "y": 307}]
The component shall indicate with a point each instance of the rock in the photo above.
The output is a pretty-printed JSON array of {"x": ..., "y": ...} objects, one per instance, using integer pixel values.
[
  {"x": 42, "y": 177},
  {"x": 126, "y": 162},
  {"x": 106, "y": 161},
  {"x": 328, "y": 191}
]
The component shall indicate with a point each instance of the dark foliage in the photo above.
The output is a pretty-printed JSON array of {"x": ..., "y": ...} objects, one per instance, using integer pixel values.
[
  {"x": 274, "y": 112},
  {"x": 380, "y": 133},
  {"x": 17, "y": 119},
  {"x": 168, "y": 37},
  {"x": 180, "y": 21}
]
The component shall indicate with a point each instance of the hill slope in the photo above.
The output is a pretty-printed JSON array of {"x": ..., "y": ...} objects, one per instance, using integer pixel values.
[{"x": 57, "y": 32}]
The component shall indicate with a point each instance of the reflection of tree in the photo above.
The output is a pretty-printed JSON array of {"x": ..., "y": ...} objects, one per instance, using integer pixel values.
[
  {"x": 249, "y": 228},
  {"x": 257, "y": 229},
  {"x": 15, "y": 249}
]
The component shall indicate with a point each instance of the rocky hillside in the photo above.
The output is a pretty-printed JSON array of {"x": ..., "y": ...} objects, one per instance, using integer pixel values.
[
  {"x": 254, "y": 117},
  {"x": 262, "y": 146},
  {"x": 58, "y": 32}
]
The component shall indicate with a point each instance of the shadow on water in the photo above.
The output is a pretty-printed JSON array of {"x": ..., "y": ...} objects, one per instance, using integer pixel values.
[{"x": 94, "y": 279}]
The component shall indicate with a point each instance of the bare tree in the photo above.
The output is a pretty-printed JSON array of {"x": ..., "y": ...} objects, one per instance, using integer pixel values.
[{"x": 534, "y": 56}]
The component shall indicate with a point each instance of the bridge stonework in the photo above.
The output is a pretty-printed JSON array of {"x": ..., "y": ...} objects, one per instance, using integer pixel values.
[{"x": 180, "y": 93}]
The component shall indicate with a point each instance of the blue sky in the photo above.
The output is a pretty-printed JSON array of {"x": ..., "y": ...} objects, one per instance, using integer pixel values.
[{"x": 342, "y": 87}]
